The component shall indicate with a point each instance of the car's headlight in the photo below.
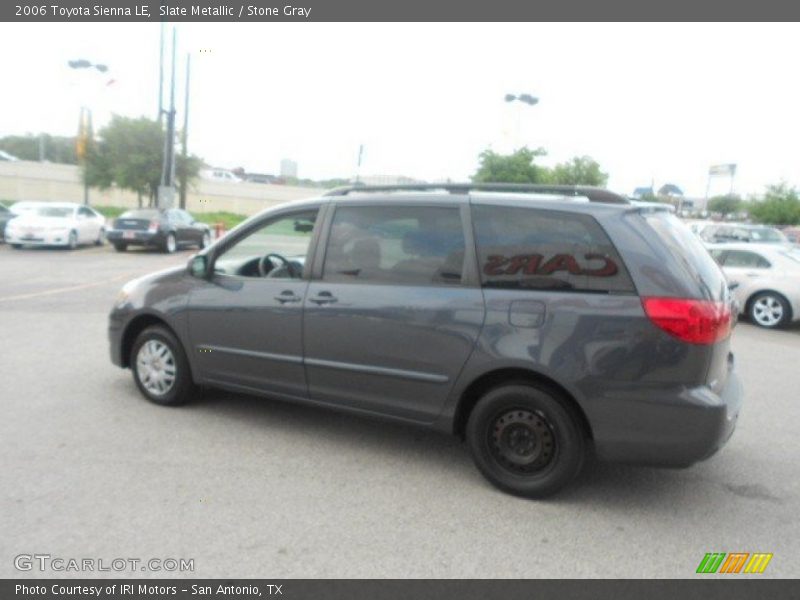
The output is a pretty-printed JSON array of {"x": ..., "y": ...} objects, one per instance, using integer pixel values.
[{"x": 122, "y": 297}]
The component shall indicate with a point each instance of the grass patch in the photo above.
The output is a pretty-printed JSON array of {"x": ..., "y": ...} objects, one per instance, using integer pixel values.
[
  {"x": 110, "y": 212},
  {"x": 228, "y": 219}
]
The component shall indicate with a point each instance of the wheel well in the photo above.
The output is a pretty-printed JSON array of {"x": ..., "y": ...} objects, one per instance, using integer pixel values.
[
  {"x": 485, "y": 382},
  {"x": 132, "y": 331},
  {"x": 754, "y": 295}
]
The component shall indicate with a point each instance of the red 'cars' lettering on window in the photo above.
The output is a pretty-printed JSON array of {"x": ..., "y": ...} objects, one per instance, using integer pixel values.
[
  {"x": 561, "y": 262},
  {"x": 531, "y": 264},
  {"x": 609, "y": 269},
  {"x": 494, "y": 265}
]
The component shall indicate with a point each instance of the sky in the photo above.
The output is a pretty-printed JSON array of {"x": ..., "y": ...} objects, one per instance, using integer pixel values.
[{"x": 650, "y": 102}]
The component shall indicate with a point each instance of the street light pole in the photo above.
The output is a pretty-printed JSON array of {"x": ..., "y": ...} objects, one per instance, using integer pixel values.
[
  {"x": 85, "y": 133},
  {"x": 525, "y": 99}
]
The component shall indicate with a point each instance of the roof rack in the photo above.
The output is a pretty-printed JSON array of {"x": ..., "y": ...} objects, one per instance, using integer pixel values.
[{"x": 594, "y": 194}]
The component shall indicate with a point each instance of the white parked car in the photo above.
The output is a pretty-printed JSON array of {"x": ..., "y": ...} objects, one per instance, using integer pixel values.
[
  {"x": 764, "y": 278},
  {"x": 55, "y": 224},
  {"x": 220, "y": 175}
]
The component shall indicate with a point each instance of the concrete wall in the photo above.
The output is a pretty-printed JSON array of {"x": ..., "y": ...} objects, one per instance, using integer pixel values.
[{"x": 26, "y": 180}]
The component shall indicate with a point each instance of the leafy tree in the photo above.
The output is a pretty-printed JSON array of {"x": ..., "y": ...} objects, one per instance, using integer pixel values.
[
  {"x": 725, "y": 204},
  {"x": 517, "y": 167},
  {"x": 57, "y": 149},
  {"x": 581, "y": 170},
  {"x": 129, "y": 155},
  {"x": 780, "y": 206}
]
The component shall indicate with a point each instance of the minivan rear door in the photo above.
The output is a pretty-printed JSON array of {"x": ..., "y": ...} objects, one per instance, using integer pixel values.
[{"x": 393, "y": 312}]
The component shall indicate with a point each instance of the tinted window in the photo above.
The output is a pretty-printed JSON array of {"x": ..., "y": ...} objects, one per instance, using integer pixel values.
[
  {"x": 404, "y": 245},
  {"x": 689, "y": 252},
  {"x": 85, "y": 212},
  {"x": 548, "y": 250},
  {"x": 750, "y": 260}
]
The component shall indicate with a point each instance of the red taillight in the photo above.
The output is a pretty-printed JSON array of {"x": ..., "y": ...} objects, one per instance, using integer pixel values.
[
  {"x": 153, "y": 226},
  {"x": 693, "y": 321}
]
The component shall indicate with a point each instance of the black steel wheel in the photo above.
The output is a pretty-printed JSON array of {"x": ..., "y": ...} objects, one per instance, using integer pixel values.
[{"x": 526, "y": 439}]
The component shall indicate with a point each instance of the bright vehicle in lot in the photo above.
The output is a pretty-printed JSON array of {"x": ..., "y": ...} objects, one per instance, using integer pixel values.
[
  {"x": 731, "y": 232},
  {"x": 55, "y": 224},
  {"x": 536, "y": 321},
  {"x": 167, "y": 230},
  {"x": 5, "y": 216},
  {"x": 765, "y": 278}
]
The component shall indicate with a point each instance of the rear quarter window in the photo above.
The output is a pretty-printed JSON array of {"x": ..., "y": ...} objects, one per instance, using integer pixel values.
[
  {"x": 526, "y": 248},
  {"x": 688, "y": 252}
]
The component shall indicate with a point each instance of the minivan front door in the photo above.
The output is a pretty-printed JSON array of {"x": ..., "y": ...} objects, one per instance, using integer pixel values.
[
  {"x": 391, "y": 322},
  {"x": 245, "y": 321}
]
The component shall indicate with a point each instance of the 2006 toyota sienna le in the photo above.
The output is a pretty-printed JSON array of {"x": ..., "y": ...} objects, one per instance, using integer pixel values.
[{"x": 538, "y": 322}]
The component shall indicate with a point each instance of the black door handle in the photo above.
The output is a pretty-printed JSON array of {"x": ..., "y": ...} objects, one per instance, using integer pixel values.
[
  {"x": 323, "y": 298},
  {"x": 287, "y": 296}
]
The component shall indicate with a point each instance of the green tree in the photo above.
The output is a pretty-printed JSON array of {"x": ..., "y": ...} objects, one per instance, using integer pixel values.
[
  {"x": 725, "y": 204},
  {"x": 581, "y": 170},
  {"x": 780, "y": 206},
  {"x": 129, "y": 155},
  {"x": 517, "y": 167}
]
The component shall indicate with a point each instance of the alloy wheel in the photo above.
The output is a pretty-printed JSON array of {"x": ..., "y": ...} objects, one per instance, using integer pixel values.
[{"x": 155, "y": 367}]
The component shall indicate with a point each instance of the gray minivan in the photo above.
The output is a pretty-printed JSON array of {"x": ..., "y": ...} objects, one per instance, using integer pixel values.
[{"x": 538, "y": 322}]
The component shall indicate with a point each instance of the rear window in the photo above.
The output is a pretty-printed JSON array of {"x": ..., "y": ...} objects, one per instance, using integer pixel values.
[
  {"x": 689, "y": 252},
  {"x": 526, "y": 248},
  {"x": 140, "y": 214}
]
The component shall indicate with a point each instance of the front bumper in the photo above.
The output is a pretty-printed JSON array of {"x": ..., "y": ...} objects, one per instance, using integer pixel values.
[
  {"x": 669, "y": 429},
  {"x": 58, "y": 237},
  {"x": 116, "y": 324}
]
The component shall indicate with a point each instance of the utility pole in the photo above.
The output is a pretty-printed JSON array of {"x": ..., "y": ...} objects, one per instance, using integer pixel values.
[
  {"x": 161, "y": 74},
  {"x": 184, "y": 175},
  {"x": 166, "y": 191}
]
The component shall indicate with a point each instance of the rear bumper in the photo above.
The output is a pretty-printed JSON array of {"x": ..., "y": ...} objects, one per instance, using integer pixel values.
[
  {"x": 140, "y": 238},
  {"x": 669, "y": 429}
]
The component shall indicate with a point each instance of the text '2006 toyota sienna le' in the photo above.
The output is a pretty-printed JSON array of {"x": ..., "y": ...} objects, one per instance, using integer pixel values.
[{"x": 537, "y": 322}]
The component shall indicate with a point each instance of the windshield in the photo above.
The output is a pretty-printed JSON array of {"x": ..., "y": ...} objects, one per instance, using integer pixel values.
[
  {"x": 54, "y": 211},
  {"x": 767, "y": 234}
]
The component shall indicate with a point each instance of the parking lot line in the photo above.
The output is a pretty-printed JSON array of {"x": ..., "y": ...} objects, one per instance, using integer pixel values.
[{"x": 65, "y": 289}]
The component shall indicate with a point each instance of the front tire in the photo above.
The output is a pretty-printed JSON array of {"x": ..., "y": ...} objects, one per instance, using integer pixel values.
[
  {"x": 526, "y": 439},
  {"x": 160, "y": 368},
  {"x": 770, "y": 310}
]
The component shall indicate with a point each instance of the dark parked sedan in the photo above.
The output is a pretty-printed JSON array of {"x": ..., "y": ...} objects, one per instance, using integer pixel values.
[{"x": 164, "y": 229}]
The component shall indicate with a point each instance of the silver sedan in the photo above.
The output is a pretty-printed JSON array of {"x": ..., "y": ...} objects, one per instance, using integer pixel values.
[{"x": 765, "y": 278}]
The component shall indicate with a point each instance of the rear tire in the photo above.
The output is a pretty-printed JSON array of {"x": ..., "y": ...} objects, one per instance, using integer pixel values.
[
  {"x": 526, "y": 439},
  {"x": 170, "y": 244},
  {"x": 120, "y": 247},
  {"x": 769, "y": 310},
  {"x": 160, "y": 368}
]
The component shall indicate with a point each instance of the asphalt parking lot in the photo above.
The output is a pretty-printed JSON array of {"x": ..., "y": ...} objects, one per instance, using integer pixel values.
[{"x": 253, "y": 488}]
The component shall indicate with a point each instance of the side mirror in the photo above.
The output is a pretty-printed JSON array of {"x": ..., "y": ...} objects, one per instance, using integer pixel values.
[{"x": 198, "y": 267}]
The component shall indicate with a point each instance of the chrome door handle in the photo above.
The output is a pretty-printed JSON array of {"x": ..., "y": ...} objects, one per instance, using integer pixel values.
[
  {"x": 323, "y": 298},
  {"x": 287, "y": 296}
]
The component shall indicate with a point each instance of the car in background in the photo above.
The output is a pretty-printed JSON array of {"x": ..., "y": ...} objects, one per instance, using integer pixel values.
[
  {"x": 166, "y": 230},
  {"x": 55, "y": 224},
  {"x": 734, "y": 232},
  {"x": 7, "y": 157},
  {"x": 223, "y": 175},
  {"x": 764, "y": 278},
  {"x": 793, "y": 235},
  {"x": 697, "y": 227},
  {"x": 5, "y": 216}
]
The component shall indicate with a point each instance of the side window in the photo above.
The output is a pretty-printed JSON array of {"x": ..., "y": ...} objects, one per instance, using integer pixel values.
[
  {"x": 524, "y": 248},
  {"x": 85, "y": 212},
  {"x": 407, "y": 245},
  {"x": 747, "y": 260},
  {"x": 276, "y": 250}
]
